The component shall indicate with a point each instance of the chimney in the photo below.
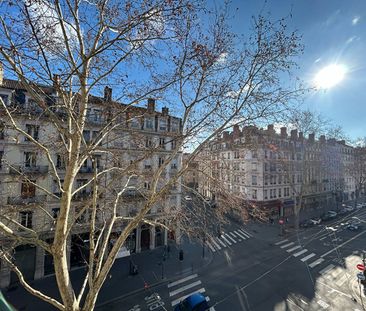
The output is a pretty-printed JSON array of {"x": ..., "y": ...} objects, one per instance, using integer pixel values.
[
  {"x": 311, "y": 137},
  {"x": 301, "y": 136},
  {"x": 150, "y": 105},
  {"x": 225, "y": 135},
  {"x": 283, "y": 132},
  {"x": 107, "y": 94},
  {"x": 322, "y": 139},
  {"x": 236, "y": 131},
  {"x": 56, "y": 81},
  {"x": 1, "y": 73},
  {"x": 165, "y": 111},
  {"x": 294, "y": 134},
  {"x": 270, "y": 128}
]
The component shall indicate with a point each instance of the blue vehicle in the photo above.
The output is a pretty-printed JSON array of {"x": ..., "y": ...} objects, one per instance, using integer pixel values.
[{"x": 195, "y": 302}]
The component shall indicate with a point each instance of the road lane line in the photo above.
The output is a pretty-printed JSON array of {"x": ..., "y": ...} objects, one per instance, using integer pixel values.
[
  {"x": 225, "y": 239},
  {"x": 288, "y": 244},
  {"x": 222, "y": 243},
  {"x": 316, "y": 262},
  {"x": 210, "y": 246},
  {"x": 184, "y": 288},
  {"x": 307, "y": 257},
  {"x": 323, "y": 238},
  {"x": 229, "y": 237},
  {"x": 187, "y": 278},
  {"x": 281, "y": 242},
  {"x": 344, "y": 243},
  {"x": 300, "y": 252},
  {"x": 176, "y": 301},
  {"x": 214, "y": 243},
  {"x": 326, "y": 269},
  {"x": 242, "y": 236},
  {"x": 293, "y": 248}
]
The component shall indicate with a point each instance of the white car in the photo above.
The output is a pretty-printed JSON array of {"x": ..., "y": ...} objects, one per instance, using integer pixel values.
[{"x": 188, "y": 198}]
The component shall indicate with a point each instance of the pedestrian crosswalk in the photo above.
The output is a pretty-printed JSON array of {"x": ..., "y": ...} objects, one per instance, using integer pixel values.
[
  {"x": 227, "y": 239},
  {"x": 185, "y": 287}
]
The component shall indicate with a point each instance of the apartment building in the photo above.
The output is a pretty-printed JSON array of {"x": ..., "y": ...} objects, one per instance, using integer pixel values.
[
  {"x": 271, "y": 170},
  {"x": 141, "y": 142}
]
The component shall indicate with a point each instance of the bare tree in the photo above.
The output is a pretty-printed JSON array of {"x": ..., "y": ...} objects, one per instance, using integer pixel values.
[{"x": 63, "y": 53}]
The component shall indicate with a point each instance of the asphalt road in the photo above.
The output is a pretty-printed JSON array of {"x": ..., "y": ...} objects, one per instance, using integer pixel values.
[{"x": 314, "y": 269}]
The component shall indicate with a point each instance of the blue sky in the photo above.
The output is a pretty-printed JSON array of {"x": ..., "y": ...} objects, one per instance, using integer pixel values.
[{"x": 333, "y": 32}]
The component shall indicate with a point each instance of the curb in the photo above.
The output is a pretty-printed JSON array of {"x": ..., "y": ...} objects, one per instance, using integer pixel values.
[{"x": 166, "y": 280}]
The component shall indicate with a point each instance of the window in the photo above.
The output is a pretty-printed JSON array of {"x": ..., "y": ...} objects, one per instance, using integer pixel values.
[
  {"x": 135, "y": 123},
  {"x": 149, "y": 123},
  {"x": 30, "y": 159},
  {"x": 162, "y": 143},
  {"x": 147, "y": 185},
  {"x": 266, "y": 167},
  {"x": 148, "y": 142},
  {"x": 254, "y": 154},
  {"x": 265, "y": 193},
  {"x": 28, "y": 189},
  {"x": 254, "y": 166},
  {"x": 174, "y": 144},
  {"x": 162, "y": 124},
  {"x": 161, "y": 161},
  {"x": 55, "y": 187},
  {"x": 95, "y": 134},
  {"x": 1, "y": 158},
  {"x": 26, "y": 219},
  {"x": 254, "y": 193},
  {"x": 266, "y": 179},
  {"x": 279, "y": 179},
  {"x": 60, "y": 162},
  {"x": 175, "y": 126},
  {"x": 254, "y": 180},
  {"x": 2, "y": 131},
  {"x": 228, "y": 155},
  {"x": 5, "y": 98},
  {"x": 55, "y": 212},
  {"x": 147, "y": 164},
  {"x": 236, "y": 154},
  {"x": 32, "y": 130},
  {"x": 97, "y": 115},
  {"x": 97, "y": 161},
  {"x": 86, "y": 135},
  {"x": 279, "y": 193}
]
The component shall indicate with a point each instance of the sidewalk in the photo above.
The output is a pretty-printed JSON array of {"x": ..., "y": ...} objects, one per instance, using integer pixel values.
[{"x": 152, "y": 270}]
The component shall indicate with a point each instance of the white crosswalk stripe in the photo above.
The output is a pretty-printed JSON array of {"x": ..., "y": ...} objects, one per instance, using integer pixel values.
[
  {"x": 187, "y": 278},
  {"x": 176, "y": 301},
  {"x": 235, "y": 236},
  {"x": 226, "y": 240},
  {"x": 300, "y": 252},
  {"x": 222, "y": 243},
  {"x": 326, "y": 269},
  {"x": 229, "y": 237},
  {"x": 245, "y": 233},
  {"x": 316, "y": 262},
  {"x": 307, "y": 257},
  {"x": 281, "y": 242},
  {"x": 210, "y": 246},
  {"x": 215, "y": 243},
  {"x": 293, "y": 248},
  {"x": 183, "y": 288},
  {"x": 239, "y": 234},
  {"x": 288, "y": 244}
]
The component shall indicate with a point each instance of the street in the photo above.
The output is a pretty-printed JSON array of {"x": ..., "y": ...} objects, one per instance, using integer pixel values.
[{"x": 312, "y": 270}]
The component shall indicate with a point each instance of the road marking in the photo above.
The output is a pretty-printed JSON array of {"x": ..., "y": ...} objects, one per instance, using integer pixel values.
[
  {"x": 288, "y": 244},
  {"x": 326, "y": 269},
  {"x": 344, "y": 243},
  {"x": 245, "y": 233},
  {"x": 239, "y": 234},
  {"x": 222, "y": 243},
  {"x": 210, "y": 246},
  {"x": 300, "y": 252},
  {"x": 323, "y": 304},
  {"x": 341, "y": 281},
  {"x": 235, "y": 235},
  {"x": 229, "y": 237},
  {"x": 214, "y": 242},
  {"x": 316, "y": 262},
  {"x": 307, "y": 257},
  {"x": 281, "y": 242},
  {"x": 187, "y": 278},
  {"x": 293, "y": 248},
  {"x": 225, "y": 239},
  {"x": 183, "y": 288},
  {"x": 323, "y": 238},
  {"x": 176, "y": 301}
]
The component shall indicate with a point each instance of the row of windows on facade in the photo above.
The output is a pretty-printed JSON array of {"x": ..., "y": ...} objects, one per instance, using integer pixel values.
[{"x": 273, "y": 193}]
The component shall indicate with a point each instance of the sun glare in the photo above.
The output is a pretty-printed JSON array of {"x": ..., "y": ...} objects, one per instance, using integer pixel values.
[{"x": 330, "y": 76}]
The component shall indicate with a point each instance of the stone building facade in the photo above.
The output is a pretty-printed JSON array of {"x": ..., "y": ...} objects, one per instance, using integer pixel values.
[{"x": 141, "y": 132}]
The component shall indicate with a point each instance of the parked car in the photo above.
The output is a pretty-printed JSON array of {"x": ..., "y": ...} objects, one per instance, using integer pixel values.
[
  {"x": 328, "y": 215},
  {"x": 194, "y": 302},
  {"x": 188, "y": 198}
]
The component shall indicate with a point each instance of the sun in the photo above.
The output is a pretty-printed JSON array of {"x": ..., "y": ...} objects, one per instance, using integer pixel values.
[{"x": 330, "y": 76}]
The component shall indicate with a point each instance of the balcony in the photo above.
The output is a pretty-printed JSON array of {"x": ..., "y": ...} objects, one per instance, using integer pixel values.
[
  {"x": 36, "y": 169},
  {"x": 19, "y": 200}
]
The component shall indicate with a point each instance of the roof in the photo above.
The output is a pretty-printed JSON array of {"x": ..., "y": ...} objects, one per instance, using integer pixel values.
[{"x": 17, "y": 85}]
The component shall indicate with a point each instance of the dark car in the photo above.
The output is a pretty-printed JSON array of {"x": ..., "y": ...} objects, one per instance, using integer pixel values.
[
  {"x": 194, "y": 302},
  {"x": 329, "y": 215}
]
